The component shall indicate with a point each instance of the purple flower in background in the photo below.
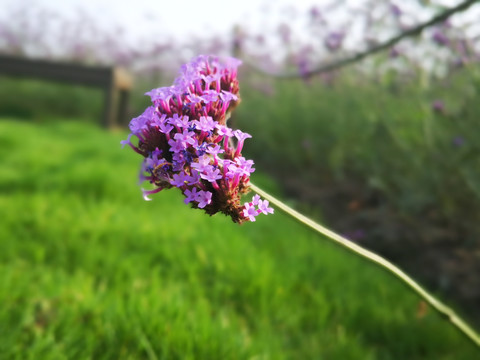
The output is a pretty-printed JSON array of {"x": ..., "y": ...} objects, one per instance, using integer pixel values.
[
  {"x": 285, "y": 33},
  {"x": 440, "y": 38},
  {"x": 315, "y": 13},
  {"x": 458, "y": 141},
  {"x": 395, "y": 9},
  {"x": 334, "y": 40},
  {"x": 302, "y": 61},
  {"x": 303, "y": 67},
  {"x": 438, "y": 106},
  {"x": 186, "y": 143},
  {"x": 394, "y": 52}
]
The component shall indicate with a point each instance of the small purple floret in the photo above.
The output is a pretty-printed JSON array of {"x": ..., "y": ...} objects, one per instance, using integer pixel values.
[
  {"x": 250, "y": 212},
  {"x": 204, "y": 198}
]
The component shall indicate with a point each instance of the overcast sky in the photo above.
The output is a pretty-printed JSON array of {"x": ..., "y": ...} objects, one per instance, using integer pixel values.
[
  {"x": 177, "y": 17},
  {"x": 189, "y": 17}
]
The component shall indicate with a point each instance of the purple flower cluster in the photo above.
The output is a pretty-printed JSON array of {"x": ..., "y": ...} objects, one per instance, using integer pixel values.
[{"x": 187, "y": 144}]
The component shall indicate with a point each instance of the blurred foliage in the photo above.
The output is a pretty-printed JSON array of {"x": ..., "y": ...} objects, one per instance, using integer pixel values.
[{"x": 410, "y": 138}]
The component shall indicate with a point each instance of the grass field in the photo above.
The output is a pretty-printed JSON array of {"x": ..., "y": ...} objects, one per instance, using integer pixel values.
[{"x": 91, "y": 271}]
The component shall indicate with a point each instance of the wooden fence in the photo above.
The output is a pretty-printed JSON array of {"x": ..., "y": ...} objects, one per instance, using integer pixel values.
[{"x": 115, "y": 82}]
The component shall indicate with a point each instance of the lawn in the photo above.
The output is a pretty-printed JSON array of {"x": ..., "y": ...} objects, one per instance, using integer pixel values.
[{"x": 90, "y": 270}]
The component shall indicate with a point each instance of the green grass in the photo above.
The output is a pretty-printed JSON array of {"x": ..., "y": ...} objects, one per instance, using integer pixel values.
[
  {"x": 39, "y": 100},
  {"x": 91, "y": 271}
]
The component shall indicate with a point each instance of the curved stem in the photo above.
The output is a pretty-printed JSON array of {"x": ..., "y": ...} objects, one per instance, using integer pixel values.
[{"x": 444, "y": 310}]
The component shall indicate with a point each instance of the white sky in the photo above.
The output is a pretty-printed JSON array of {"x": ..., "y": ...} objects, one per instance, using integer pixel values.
[
  {"x": 188, "y": 17},
  {"x": 177, "y": 17}
]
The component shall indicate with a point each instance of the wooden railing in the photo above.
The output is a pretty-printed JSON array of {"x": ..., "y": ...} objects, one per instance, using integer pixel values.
[{"x": 115, "y": 82}]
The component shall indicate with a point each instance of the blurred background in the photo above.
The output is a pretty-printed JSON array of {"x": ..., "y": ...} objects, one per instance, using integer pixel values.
[{"x": 383, "y": 150}]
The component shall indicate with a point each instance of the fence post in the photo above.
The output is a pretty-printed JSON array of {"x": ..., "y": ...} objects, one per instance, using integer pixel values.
[{"x": 115, "y": 82}]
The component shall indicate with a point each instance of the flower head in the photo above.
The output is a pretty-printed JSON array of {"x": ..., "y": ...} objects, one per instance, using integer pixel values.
[{"x": 186, "y": 143}]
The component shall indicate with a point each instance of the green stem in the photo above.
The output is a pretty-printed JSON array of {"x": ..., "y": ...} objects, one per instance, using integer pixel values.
[{"x": 444, "y": 310}]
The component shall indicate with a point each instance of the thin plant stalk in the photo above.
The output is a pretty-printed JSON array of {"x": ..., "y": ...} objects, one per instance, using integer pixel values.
[{"x": 444, "y": 310}]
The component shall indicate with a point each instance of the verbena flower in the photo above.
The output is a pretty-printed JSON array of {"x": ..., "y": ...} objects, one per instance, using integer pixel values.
[{"x": 186, "y": 143}]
